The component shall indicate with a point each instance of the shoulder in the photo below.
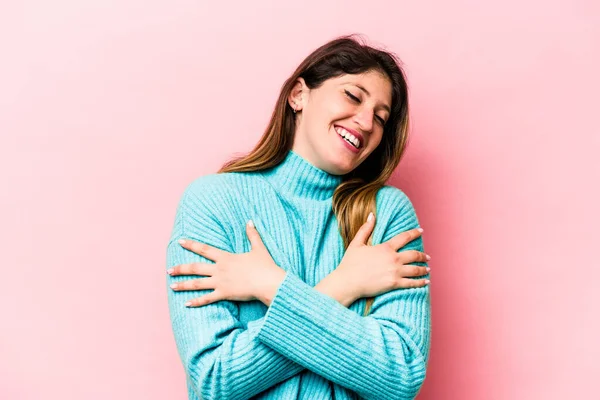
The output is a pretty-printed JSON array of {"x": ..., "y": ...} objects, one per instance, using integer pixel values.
[
  {"x": 203, "y": 213},
  {"x": 207, "y": 184},
  {"x": 218, "y": 193},
  {"x": 395, "y": 211},
  {"x": 392, "y": 200},
  {"x": 204, "y": 193}
]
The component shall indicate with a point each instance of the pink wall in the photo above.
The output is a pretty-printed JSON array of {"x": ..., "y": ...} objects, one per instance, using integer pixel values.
[{"x": 108, "y": 109}]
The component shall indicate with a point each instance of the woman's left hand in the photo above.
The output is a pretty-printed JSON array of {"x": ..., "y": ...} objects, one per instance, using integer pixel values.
[{"x": 241, "y": 277}]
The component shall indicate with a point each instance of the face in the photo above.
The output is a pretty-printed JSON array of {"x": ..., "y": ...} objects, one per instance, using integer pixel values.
[{"x": 343, "y": 112}]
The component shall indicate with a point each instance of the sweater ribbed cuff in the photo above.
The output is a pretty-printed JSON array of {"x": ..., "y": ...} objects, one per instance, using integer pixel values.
[{"x": 296, "y": 313}]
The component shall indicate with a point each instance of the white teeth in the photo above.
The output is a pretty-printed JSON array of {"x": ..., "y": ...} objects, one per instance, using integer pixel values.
[{"x": 348, "y": 136}]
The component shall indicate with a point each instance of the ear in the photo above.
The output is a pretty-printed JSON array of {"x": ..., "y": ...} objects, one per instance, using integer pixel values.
[{"x": 297, "y": 95}]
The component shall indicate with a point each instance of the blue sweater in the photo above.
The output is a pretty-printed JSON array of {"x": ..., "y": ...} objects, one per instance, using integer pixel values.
[{"x": 305, "y": 345}]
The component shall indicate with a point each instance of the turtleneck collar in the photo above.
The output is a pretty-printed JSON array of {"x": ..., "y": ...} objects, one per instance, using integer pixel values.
[{"x": 296, "y": 176}]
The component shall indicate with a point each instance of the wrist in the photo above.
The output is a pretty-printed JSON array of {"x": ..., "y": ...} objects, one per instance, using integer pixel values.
[
  {"x": 336, "y": 287},
  {"x": 269, "y": 286}
]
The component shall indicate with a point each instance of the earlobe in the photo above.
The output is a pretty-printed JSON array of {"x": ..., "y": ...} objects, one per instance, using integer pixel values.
[
  {"x": 295, "y": 104},
  {"x": 296, "y": 96}
]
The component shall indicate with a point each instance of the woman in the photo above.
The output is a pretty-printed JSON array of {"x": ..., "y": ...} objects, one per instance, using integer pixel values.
[{"x": 311, "y": 299}]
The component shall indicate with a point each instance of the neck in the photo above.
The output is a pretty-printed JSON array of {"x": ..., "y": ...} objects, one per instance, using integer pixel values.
[{"x": 298, "y": 177}]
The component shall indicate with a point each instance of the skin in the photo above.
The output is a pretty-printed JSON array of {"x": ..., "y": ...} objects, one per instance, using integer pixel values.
[
  {"x": 318, "y": 110},
  {"x": 365, "y": 271}
]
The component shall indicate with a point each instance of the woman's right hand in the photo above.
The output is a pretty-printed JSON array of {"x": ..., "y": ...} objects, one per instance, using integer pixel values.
[{"x": 373, "y": 270}]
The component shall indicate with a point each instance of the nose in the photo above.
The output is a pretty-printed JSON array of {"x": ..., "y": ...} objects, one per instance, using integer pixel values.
[{"x": 364, "y": 118}]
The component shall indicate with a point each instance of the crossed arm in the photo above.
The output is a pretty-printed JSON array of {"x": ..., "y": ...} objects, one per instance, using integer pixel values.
[{"x": 381, "y": 356}]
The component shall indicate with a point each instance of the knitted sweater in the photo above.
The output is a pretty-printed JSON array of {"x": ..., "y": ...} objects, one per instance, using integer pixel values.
[{"x": 305, "y": 345}]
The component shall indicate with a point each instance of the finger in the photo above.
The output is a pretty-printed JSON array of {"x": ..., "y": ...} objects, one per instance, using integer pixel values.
[
  {"x": 193, "y": 284},
  {"x": 364, "y": 231},
  {"x": 414, "y": 283},
  {"x": 403, "y": 238},
  {"x": 414, "y": 270},
  {"x": 255, "y": 239},
  {"x": 410, "y": 256},
  {"x": 204, "y": 300},
  {"x": 203, "y": 249},
  {"x": 192, "y": 269}
]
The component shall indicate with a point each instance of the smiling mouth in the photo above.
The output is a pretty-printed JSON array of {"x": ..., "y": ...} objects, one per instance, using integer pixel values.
[{"x": 350, "y": 138}]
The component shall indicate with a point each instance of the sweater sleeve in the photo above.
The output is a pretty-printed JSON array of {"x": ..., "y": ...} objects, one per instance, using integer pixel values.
[
  {"x": 222, "y": 358},
  {"x": 381, "y": 356}
]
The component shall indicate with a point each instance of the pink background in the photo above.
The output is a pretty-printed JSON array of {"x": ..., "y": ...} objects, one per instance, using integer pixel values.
[{"x": 108, "y": 109}]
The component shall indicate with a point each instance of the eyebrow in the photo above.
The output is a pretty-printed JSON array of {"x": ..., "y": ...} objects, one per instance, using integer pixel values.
[{"x": 385, "y": 106}]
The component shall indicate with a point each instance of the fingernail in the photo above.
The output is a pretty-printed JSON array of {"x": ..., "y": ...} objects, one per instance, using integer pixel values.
[
  {"x": 181, "y": 241},
  {"x": 428, "y": 269},
  {"x": 427, "y": 256},
  {"x": 427, "y": 281},
  {"x": 188, "y": 303},
  {"x": 420, "y": 229},
  {"x": 370, "y": 217},
  {"x": 170, "y": 271},
  {"x": 173, "y": 285},
  {"x": 251, "y": 224}
]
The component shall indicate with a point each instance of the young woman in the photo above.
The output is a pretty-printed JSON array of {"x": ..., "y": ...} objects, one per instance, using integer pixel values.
[{"x": 303, "y": 294}]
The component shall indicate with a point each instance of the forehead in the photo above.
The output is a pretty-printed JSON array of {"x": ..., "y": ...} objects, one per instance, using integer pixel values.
[{"x": 376, "y": 83}]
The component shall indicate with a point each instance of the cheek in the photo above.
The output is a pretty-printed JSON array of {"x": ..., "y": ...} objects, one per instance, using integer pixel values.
[
  {"x": 375, "y": 140},
  {"x": 333, "y": 110},
  {"x": 318, "y": 117}
]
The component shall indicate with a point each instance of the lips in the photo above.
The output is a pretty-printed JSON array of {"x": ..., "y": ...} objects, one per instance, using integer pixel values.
[{"x": 355, "y": 133}]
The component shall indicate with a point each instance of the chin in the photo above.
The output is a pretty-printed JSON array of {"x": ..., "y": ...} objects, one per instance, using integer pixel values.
[{"x": 341, "y": 165}]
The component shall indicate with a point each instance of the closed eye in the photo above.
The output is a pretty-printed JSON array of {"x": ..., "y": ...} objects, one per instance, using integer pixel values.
[{"x": 356, "y": 99}]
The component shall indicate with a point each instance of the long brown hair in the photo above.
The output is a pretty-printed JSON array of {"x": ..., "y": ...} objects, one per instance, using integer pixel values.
[{"x": 354, "y": 198}]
